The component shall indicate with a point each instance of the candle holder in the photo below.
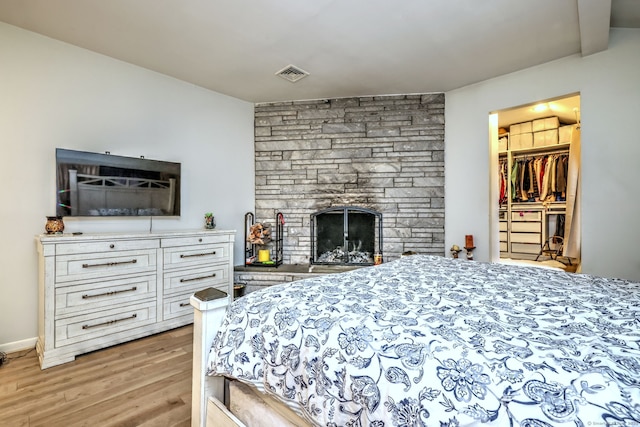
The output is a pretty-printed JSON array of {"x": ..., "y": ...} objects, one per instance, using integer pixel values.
[
  {"x": 54, "y": 225},
  {"x": 468, "y": 241},
  {"x": 470, "y": 252}
]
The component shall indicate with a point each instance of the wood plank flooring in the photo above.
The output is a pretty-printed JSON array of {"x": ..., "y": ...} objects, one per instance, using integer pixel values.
[{"x": 146, "y": 382}]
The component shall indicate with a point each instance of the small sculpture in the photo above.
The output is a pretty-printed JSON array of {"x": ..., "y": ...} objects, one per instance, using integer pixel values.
[
  {"x": 209, "y": 221},
  {"x": 470, "y": 253},
  {"x": 455, "y": 250}
]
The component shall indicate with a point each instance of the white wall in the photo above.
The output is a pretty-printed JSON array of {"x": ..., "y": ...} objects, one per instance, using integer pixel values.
[
  {"x": 55, "y": 95},
  {"x": 609, "y": 84}
]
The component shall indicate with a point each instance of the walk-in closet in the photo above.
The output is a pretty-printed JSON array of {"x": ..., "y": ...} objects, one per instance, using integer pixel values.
[{"x": 538, "y": 180}]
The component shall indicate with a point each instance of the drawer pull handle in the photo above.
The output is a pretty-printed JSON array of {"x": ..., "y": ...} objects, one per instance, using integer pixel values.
[
  {"x": 86, "y": 296},
  {"x": 109, "y": 322},
  {"x": 184, "y": 304},
  {"x": 198, "y": 278},
  {"x": 109, "y": 264},
  {"x": 111, "y": 246},
  {"x": 193, "y": 255}
]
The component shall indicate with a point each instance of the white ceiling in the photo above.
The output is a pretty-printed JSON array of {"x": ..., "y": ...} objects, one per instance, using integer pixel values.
[{"x": 350, "y": 48}]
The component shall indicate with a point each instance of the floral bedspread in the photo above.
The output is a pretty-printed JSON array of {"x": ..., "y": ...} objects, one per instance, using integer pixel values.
[{"x": 430, "y": 341}]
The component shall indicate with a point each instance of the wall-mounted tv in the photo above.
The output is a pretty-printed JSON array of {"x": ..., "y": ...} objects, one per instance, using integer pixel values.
[{"x": 102, "y": 184}]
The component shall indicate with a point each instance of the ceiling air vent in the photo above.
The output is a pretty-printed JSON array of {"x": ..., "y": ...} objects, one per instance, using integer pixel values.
[{"x": 292, "y": 73}]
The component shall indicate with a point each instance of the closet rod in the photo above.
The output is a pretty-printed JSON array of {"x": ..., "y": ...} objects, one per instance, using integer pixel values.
[{"x": 534, "y": 155}]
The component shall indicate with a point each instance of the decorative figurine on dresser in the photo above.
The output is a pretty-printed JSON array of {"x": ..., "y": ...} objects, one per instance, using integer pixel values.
[{"x": 97, "y": 290}]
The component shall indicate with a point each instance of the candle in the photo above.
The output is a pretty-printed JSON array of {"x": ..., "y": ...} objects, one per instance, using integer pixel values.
[
  {"x": 468, "y": 241},
  {"x": 264, "y": 255}
]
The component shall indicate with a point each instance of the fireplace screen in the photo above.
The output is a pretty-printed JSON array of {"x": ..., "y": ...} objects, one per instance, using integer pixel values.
[{"x": 346, "y": 235}]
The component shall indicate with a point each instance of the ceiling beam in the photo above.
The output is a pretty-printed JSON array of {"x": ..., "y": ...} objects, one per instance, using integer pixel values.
[{"x": 594, "y": 17}]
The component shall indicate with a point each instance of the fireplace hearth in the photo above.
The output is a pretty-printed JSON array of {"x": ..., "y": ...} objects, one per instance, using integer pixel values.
[{"x": 345, "y": 235}]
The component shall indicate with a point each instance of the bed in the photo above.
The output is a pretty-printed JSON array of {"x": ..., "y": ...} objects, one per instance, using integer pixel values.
[{"x": 426, "y": 340}]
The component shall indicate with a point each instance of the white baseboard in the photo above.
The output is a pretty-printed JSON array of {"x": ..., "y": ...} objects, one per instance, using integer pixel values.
[{"x": 12, "y": 347}]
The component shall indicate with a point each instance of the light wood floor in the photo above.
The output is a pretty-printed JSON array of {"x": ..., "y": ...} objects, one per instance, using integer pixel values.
[{"x": 146, "y": 382}]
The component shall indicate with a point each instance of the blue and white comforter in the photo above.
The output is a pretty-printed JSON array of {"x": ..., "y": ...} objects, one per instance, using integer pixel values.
[{"x": 430, "y": 341}]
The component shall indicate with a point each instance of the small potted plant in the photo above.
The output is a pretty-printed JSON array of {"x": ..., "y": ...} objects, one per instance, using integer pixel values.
[{"x": 209, "y": 221}]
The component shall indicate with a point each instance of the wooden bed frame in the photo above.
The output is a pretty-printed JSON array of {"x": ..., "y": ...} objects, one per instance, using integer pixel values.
[
  {"x": 211, "y": 403},
  {"x": 210, "y": 306}
]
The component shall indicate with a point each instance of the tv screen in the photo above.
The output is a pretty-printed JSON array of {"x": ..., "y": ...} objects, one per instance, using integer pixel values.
[{"x": 101, "y": 184}]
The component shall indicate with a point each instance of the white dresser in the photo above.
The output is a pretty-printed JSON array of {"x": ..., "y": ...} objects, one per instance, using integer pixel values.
[{"x": 97, "y": 290}]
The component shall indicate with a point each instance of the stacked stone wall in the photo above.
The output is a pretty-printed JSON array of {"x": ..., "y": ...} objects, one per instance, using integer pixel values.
[{"x": 384, "y": 153}]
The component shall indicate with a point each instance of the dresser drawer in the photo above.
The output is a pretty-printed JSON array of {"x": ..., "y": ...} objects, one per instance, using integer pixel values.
[
  {"x": 526, "y": 216},
  {"x": 525, "y": 248},
  {"x": 184, "y": 281},
  {"x": 526, "y": 227},
  {"x": 526, "y": 238},
  {"x": 170, "y": 242},
  {"x": 199, "y": 255},
  {"x": 96, "y": 327},
  {"x": 105, "y": 246},
  {"x": 93, "y": 296},
  {"x": 101, "y": 265},
  {"x": 177, "y": 306}
]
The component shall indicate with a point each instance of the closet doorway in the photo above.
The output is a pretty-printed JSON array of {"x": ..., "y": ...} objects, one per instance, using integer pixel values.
[{"x": 535, "y": 183}]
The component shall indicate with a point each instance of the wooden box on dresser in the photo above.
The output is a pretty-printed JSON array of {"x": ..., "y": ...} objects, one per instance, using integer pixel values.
[{"x": 97, "y": 290}]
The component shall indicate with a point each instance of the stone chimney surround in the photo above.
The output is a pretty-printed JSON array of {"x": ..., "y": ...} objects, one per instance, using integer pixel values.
[{"x": 384, "y": 153}]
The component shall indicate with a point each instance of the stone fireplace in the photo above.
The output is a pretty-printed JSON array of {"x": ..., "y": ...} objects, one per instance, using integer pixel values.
[
  {"x": 345, "y": 235},
  {"x": 383, "y": 154}
]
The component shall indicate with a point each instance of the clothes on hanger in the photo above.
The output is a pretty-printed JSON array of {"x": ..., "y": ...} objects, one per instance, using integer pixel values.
[{"x": 536, "y": 179}]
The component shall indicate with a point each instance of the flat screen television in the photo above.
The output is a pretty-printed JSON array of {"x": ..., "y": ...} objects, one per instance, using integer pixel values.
[{"x": 102, "y": 184}]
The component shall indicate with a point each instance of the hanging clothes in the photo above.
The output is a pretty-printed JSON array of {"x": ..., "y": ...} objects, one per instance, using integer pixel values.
[
  {"x": 537, "y": 165},
  {"x": 546, "y": 178},
  {"x": 503, "y": 181},
  {"x": 524, "y": 181},
  {"x": 561, "y": 179},
  {"x": 560, "y": 226},
  {"x": 515, "y": 182}
]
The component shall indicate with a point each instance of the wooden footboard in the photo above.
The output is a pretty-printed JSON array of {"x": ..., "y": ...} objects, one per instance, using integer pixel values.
[
  {"x": 219, "y": 416},
  {"x": 210, "y": 306}
]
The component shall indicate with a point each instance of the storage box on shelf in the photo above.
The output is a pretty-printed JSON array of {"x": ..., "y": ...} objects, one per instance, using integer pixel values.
[
  {"x": 567, "y": 134},
  {"x": 545, "y": 138},
  {"x": 521, "y": 141},
  {"x": 97, "y": 290},
  {"x": 520, "y": 128},
  {"x": 546, "y": 123},
  {"x": 503, "y": 142}
]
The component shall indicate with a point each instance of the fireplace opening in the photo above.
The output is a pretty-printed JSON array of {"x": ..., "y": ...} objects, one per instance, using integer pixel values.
[{"x": 346, "y": 235}]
